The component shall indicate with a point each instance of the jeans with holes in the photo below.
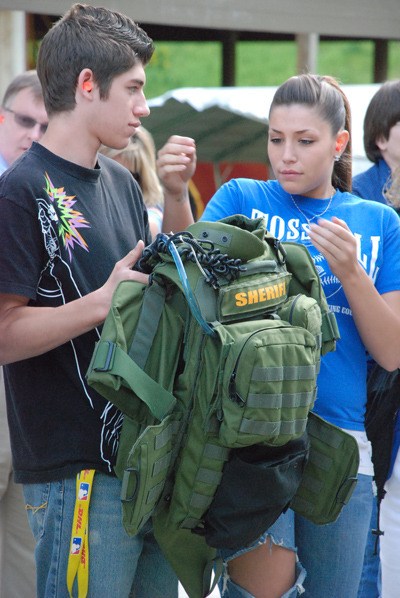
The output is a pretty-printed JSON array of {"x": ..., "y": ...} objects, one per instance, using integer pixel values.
[
  {"x": 281, "y": 534},
  {"x": 114, "y": 557},
  {"x": 333, "y": 554}
]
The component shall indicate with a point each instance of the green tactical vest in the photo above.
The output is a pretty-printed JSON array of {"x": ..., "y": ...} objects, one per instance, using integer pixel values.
[{"x": 218, "y": 353}]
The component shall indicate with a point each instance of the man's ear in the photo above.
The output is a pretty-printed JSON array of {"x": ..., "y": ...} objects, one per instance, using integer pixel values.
[
  {"x": 381, "y": 142},
  {"x": 85, "y": 84}
]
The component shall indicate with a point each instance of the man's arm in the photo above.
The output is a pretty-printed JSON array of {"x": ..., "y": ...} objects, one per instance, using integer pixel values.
[
  {"x": 176, "y": 164},
  {"x": 27, "y": 331}
]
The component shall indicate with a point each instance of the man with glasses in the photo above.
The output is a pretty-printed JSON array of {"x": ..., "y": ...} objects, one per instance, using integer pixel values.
[{"x": 23, "y": 119}]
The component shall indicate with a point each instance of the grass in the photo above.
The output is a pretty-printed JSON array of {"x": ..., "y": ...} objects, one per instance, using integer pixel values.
[{"x": 199, "y": 64}]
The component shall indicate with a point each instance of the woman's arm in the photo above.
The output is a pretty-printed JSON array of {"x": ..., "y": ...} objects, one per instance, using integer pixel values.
[
  {"x": 176, "y": 164},
  {"x": 376, "y": 316}
]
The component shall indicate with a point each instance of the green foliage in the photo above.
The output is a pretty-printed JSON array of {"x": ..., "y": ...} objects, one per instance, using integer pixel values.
[
  {"x": 265, "y": 63},
  {"x": 348, "y": 61},
  {"x": 394, "y": 60},
  {"x": 199, "y": 64},
  {"x": 183, "y": 64}
]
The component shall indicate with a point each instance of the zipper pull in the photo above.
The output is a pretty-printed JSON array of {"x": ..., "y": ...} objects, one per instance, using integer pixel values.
[{"x": 233, "y": 394}]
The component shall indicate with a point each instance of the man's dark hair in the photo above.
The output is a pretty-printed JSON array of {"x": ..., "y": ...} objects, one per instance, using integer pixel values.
[
  {"x": 382, "y": 114},
  {"x": 107, "y": 42}
]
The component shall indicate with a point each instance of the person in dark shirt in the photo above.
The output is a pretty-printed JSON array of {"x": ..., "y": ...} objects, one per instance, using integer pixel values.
[{"x": 73, "y": 225}]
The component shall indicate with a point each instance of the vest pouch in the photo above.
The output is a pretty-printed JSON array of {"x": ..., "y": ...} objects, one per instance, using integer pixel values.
[
  {"x": 144, "y": 470},
  {"x": 257, "y": 485},
  {"x": 330, "y": 475},
  {"x": 268, "y": 383},
  {"x": 301, "y": 310}
]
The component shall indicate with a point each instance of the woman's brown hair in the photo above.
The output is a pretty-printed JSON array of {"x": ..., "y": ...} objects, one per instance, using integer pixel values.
[{"x": 324, "y": 94}]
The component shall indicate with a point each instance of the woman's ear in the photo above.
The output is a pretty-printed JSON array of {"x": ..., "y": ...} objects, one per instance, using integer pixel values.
[{"x": 342, "y": 139}]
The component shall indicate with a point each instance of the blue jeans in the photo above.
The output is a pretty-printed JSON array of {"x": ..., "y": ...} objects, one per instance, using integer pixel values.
[
  {"x": 113, "y": 555},
  {"x": 370, "y": 578},
  {"x": 333, "y": 554}
]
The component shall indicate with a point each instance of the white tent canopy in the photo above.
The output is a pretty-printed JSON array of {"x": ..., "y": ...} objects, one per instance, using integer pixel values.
[{"x": 229, "y": 123}]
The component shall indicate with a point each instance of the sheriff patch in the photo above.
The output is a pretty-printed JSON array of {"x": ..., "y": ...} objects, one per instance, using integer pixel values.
[{"x": 261, "y": 294}]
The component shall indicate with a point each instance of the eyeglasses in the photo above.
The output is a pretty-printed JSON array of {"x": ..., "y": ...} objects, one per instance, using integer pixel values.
[{"x": 27, "y": 122}]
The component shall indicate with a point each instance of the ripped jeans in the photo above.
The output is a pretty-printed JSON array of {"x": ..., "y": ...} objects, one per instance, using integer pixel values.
[
  {"x": 331, "y": 554},
  {"x": 279, "y": 534},
  {"x": 118, "y": 563}
]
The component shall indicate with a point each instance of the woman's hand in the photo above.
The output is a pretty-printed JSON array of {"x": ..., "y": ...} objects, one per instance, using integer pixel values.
[
  {"x": 338, "y": 245},
  {"x": 176, "y": 164}
]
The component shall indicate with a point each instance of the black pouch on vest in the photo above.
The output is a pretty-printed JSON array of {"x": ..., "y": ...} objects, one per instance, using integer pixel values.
[{"x": 257, "y": 485}]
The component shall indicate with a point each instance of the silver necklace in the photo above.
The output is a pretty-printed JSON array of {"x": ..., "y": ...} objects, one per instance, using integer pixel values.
[{"x": 315, "y": 215}]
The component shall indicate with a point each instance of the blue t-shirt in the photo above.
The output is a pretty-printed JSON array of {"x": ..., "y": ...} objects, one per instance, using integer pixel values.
[
  {"x": 342, "y": 379},
  {"x": 371, "y": 183}
]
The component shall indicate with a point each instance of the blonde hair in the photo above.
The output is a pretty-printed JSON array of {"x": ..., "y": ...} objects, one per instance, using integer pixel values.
[
  {"x": 139, "y": 157},
  {"x": 392, "y": 192}
]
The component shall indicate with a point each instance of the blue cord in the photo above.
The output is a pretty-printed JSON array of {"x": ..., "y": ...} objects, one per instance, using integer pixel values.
[{"x": 194, "y": 308}]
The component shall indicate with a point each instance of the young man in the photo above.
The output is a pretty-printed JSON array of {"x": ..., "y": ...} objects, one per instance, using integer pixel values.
[
  {"x": 23, "y": 119},
  {"x": 73, "y": 225},
  {"x": 381, "y": 143}
]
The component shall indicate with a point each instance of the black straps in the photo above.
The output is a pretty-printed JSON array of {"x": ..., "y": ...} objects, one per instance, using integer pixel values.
[{"x": 214, "y": 264}]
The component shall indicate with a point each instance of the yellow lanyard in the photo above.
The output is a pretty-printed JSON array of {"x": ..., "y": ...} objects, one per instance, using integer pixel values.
[{"x": 78, "y": 560}]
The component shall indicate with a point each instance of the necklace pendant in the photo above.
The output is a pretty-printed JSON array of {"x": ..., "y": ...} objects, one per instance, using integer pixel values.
[{"x": 309, "y": 220}]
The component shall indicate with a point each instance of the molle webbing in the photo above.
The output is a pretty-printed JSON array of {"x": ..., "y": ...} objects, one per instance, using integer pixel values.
[{"x": 289, "y": 372}]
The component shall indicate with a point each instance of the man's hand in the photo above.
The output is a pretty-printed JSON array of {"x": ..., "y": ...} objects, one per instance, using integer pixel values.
[
  {"x": 123, "y": 271},
  {"x": 26, "y": 331}
]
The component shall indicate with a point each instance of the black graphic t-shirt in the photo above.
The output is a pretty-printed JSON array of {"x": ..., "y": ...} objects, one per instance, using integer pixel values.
[{"x": 62, "y": 229}]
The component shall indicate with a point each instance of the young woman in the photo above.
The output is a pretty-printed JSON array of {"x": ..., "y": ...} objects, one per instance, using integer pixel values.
[
  {"x": 139, "y": 157},
  {"x": 354, "y": 244}
]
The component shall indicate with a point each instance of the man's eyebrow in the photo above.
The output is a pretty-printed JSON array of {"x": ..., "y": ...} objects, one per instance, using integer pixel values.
[{"x": 139, "y": 82}]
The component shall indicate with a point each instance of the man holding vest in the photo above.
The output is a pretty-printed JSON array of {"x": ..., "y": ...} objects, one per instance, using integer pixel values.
[{"x": 74, "y": 226}]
